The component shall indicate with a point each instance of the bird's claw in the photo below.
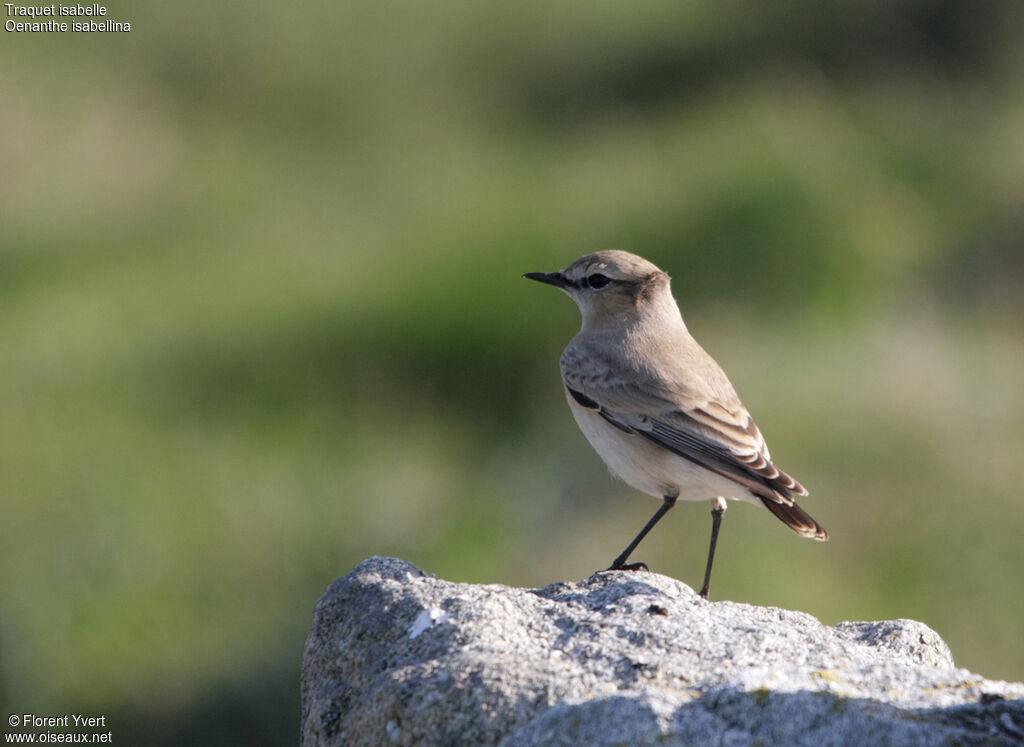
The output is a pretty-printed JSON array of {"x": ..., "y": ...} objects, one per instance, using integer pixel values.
[{"x": 638, "y": 566}]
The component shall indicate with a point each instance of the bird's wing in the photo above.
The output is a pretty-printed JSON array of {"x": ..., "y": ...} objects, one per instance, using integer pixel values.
[{"x": 698, "y": 417}]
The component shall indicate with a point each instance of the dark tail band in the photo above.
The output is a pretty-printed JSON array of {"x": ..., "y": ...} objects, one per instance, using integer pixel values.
[{"x": 796, "y": 519}]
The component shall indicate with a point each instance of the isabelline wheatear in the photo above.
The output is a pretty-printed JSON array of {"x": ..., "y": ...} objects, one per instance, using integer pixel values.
[{"x": 656, "y": 407}]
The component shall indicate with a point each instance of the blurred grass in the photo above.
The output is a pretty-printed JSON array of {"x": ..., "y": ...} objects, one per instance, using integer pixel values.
[{"x": 262, "y": 317}]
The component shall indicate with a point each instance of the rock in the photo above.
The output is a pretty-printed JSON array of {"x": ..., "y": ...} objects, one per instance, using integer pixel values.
[{"x": 397, "y": 656}]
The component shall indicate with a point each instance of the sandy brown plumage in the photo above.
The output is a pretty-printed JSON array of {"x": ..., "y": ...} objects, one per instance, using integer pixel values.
[{"x": 657, "y": 408}]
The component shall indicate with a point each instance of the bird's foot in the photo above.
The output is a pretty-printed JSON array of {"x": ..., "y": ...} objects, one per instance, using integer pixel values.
[{"x": 638, "y": 566}]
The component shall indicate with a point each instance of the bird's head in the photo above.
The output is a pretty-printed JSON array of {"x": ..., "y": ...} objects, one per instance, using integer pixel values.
[{"x": 612, "y": 288}]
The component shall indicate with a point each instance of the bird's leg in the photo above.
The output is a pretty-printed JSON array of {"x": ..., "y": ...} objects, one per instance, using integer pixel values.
[
  {"x": 620, "y": 564},
  {"x": 717, "y": 511}
]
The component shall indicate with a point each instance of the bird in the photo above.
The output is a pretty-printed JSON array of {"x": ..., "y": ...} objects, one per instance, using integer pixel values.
[{"x": 656, "y": 407}]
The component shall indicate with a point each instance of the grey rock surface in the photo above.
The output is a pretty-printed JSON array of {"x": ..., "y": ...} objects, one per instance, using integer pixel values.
[{"x": 397, "y": 656}]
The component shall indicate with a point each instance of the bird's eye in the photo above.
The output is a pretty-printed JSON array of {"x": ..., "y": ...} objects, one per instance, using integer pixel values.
[{"x": 597, "y": 280}]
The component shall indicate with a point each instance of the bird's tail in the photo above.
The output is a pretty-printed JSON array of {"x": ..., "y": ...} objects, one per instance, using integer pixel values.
[{"x": 796, "y": 519}]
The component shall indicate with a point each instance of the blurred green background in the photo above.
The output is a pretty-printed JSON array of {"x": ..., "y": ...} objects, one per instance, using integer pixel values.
[{"x": 261, "y": 316}]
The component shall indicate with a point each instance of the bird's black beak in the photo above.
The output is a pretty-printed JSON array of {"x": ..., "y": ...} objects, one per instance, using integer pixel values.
[{"x": 556, "y": 279}]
